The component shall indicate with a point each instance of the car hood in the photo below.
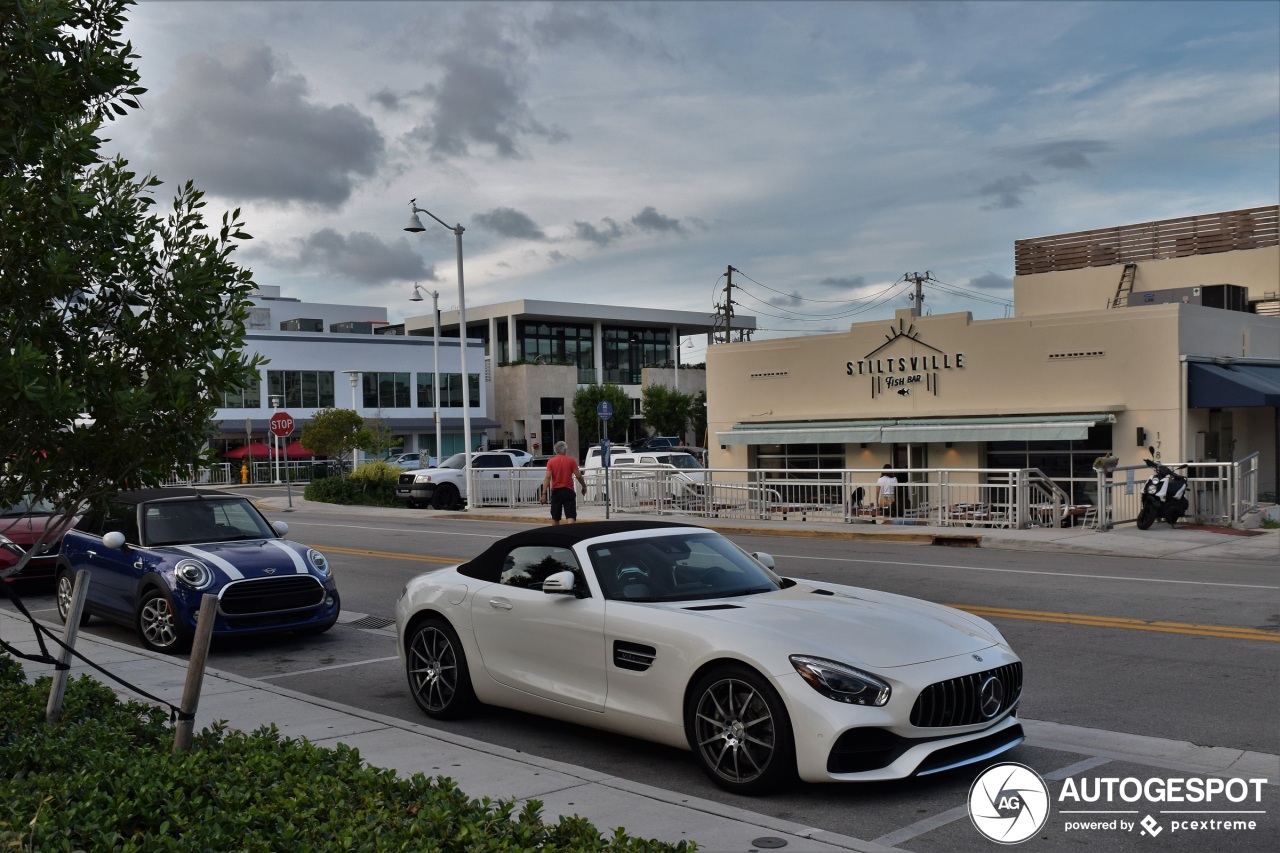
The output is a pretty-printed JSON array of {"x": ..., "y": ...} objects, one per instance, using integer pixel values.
[
  {"x": 250, "y": 558},
  {"x": 855, "y": 625},
  {"x": 25, "y": 530}
]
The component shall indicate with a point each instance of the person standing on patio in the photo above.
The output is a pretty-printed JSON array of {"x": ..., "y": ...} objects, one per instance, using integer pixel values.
[
  {"x": 886, "y": 486},
  {"x": 558, "y": 484}
]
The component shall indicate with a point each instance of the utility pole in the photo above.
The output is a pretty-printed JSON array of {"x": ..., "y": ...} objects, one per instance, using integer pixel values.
[
  {"x": 917, "y": 298},
  {"x": 728, "y": 303}
]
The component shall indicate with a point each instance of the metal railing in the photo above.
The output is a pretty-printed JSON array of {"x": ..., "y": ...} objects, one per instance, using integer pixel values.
[
  {"x": 1217, "y": 492},
  {"x": 253, "y": 473},
  {"x": 950, "y": 497}
]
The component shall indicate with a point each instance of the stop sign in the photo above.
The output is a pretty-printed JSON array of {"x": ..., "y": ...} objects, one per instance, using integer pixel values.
[{"x": 282, "y": 424}]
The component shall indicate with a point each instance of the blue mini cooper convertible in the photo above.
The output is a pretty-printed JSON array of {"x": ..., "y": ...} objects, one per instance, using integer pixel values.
[{"x": 153, "y": 553}]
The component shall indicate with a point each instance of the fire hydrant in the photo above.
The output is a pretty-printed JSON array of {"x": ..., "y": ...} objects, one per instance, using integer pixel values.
[{"x": 244, "y": 473}]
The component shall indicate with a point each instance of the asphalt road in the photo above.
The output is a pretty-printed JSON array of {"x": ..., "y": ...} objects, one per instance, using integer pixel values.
[{"x": 1133, "y": 645}]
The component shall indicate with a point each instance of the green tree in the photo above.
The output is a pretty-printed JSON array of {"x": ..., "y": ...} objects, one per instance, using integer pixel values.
[
  {"x": 334, "y": 433},
  {"x": 667, "y": 411},
  {"x": 379, "y": 437},
  {"x": 585, "y": 401},
  {"x": 120, "y": 329}
]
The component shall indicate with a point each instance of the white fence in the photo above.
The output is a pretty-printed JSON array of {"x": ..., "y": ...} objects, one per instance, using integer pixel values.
[
  {"x": 1218, "y": 492},
  {"x": 253, "y": 473}
]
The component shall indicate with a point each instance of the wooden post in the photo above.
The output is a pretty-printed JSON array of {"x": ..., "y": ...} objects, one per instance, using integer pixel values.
[
  {"x": 195, "y": 672},
  {"x": 53, "y": 710}
]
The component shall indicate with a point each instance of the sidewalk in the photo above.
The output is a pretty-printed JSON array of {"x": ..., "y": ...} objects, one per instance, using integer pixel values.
[{"x": 482, "y": 769}]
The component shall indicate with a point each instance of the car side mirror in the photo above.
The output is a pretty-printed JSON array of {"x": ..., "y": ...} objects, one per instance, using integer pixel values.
[
  {"x": 280, "y": 527},
  {"x": 114, "y": 540},
  {"x": 561, "y": 583},
  {"x": 764, "y": 559}
]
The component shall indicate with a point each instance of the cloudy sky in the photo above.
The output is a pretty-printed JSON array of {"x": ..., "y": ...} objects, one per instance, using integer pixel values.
[{"x": 627, "y": 153}]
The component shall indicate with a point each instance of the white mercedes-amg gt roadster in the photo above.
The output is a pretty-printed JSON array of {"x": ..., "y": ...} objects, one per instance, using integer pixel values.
[{"x": 674, "y": 634}]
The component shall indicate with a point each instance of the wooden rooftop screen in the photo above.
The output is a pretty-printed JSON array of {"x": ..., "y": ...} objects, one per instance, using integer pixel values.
[{"x": 1254, "y": 228}]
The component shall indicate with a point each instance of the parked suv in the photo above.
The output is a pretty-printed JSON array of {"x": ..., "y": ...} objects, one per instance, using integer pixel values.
[{"x": 445, "y": 487}]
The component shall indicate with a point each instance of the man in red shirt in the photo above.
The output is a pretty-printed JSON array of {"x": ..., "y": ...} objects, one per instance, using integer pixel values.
[{"x": 558, "y": 483}]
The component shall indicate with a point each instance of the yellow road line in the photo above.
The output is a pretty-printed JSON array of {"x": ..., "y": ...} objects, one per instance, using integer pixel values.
[
  {"x": 388, "y": 555},
  {"x": 1224, "y": 631}
]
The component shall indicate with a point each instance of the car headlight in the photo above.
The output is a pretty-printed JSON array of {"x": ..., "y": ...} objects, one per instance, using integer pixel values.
[
  {"x": 193, "y": 573},
  {"x": 422, "y": 478},
  {"x": 319, "y": 563},
  {"x": 841, "y": 682}
]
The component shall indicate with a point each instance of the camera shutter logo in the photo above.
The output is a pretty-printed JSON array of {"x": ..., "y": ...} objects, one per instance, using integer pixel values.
[{"x": 1009, "y": 803}]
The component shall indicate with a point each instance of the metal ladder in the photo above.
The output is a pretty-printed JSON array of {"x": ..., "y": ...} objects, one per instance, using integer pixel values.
[{"x": 1125, "y": 287}]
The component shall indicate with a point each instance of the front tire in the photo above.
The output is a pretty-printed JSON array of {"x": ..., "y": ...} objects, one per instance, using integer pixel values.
[
  {"x": 740, "y": 732},
  {"x": 157, "y": 624},
  {"x": 1146, "y": 516},
  {"x": 445, "y": 497},
  {"x": 437, "y": 670},
  {"x": 66, "y": 585}
]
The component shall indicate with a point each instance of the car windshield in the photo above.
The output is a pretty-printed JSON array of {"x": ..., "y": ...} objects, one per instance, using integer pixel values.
[
  {"x": 188, "y": 522},
  {"x": 678, "y": 567},
  {"x": 457, "y": 460},
  {"x": 27, "y": 506},
  {"x": 680, "y": 460}
]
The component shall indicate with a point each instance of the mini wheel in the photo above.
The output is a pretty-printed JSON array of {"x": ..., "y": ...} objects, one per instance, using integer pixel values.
[
  {"x": 437, "y": 670},
  {"x": 66, "y": 584},
  {"x": 157, "y": 624},
  {"x": 739, "y": 730}
]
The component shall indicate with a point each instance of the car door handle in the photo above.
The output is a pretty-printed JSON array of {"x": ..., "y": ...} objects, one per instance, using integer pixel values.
[
  {"x": 500, "y": 603},
  {"x": 92, "y": 553}
]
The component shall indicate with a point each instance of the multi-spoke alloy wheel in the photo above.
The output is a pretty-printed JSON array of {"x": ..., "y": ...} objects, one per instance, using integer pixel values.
[
  {"x": 740, "y": 732},
  {"x": 157, "y": 625},
  {"x": 66, "y": 586},
  {"x": 437, "y": 670}
]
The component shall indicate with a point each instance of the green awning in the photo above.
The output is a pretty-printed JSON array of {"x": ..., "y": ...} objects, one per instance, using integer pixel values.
[{"x": 918, "y": 430}]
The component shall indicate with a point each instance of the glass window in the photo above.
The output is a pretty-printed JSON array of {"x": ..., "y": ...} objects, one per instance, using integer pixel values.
[
  {"x": 385, "y": 390},
  {"x": 552, "y": 405},
  {"x": 249, "y": 397},
  {"x": 529, "y": 566},
  {"x": 451, "y": 390},
  {"x": 307, "y": 389}
]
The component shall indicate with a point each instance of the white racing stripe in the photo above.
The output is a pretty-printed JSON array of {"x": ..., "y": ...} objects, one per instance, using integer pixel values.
[
  {"x": 228, "y": 568},
  {"x": 298, "y": 563}
]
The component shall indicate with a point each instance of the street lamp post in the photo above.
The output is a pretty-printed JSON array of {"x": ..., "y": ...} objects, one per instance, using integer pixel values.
[
  {"x": 435, "y": 364},
  {"x": 415, "y": 227},
  {"x": 354, "y": 376},
  {"x": 275, "y": 439}
]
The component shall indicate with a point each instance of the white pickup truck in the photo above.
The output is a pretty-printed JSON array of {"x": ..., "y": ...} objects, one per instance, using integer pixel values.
[{"x": 445, "y": 487}]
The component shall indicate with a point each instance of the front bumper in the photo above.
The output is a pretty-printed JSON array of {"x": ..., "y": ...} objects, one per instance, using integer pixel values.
[{"x": 416, "y": 492}]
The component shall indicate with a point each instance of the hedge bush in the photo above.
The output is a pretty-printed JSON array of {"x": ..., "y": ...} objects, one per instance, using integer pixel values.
[
  {"x": 104, "y": 778},
  {"x": 371, "y": 484}
]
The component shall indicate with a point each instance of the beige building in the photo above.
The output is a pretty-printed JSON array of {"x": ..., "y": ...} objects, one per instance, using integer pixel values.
[{"x": 1165, "y": 333}]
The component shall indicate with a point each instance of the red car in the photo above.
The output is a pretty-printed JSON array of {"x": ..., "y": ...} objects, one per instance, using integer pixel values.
[{"x": 23, "y": 524}]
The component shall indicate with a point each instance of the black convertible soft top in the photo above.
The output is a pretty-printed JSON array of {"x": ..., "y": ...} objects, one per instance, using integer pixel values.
[
  {"x": 488, "y": 564},
  {"x": 139, "y": 496}
]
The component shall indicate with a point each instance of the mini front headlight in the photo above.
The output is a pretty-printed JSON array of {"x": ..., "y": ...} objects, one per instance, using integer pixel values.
[
  {"x": 319, "y": 563},
  {"x": 841, "y": 682},
  {"x": 193, "y": 573},
  {"x": 422, "y": 478}
]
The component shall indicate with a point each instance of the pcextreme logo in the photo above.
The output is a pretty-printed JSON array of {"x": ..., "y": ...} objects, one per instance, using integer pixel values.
[{"x": 1009, "y": 803}]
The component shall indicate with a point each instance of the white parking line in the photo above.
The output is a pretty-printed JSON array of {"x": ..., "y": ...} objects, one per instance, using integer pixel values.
[
  {"x": 1021, "y": 571},
  {"x": 324, "y": 668}
]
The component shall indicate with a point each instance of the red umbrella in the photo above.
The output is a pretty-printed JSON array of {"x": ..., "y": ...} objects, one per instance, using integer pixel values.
[
  {"x": 295, "y": 450},
  {"x": 253, "y": 451}
]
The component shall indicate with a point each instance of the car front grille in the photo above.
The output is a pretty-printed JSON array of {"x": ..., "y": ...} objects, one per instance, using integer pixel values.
[
  {"x": 270, "y": 595},
  {"x": 406, "y": 480},
  {"x": 964, "y": 702}
]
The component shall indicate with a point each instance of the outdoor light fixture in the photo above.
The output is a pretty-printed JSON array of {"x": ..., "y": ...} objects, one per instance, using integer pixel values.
[
  {"x": 435, "y": 352},
  {"x": 415, "y": 227},
  {"x": 417, "y": 291}
]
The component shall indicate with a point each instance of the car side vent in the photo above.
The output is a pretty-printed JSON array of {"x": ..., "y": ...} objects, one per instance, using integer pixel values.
[
  {"x": 633, "y": 656},
  {"x": 716, "y": 607},
  {"x": 823, "y": 592}
]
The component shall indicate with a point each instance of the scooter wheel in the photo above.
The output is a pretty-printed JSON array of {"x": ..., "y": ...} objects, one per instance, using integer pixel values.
[{"x": 1146, "y": 516}]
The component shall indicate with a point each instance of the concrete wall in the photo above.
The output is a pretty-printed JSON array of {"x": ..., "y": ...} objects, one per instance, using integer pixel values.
[
  {"x": 517, "y": 401},
  {"x": 1093, "y": 288}
]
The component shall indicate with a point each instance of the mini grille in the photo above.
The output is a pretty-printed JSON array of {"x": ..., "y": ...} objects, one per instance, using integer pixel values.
[
  {"x": 270, "y": 595},
  {"x": 958, "y": 702}
]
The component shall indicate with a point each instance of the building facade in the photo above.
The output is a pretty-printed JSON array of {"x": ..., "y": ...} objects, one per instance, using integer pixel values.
[
  {"x": 321, "y": 356},
  {"x": 539, "y": 353},
  {"x": 1163, "y": 334}
]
